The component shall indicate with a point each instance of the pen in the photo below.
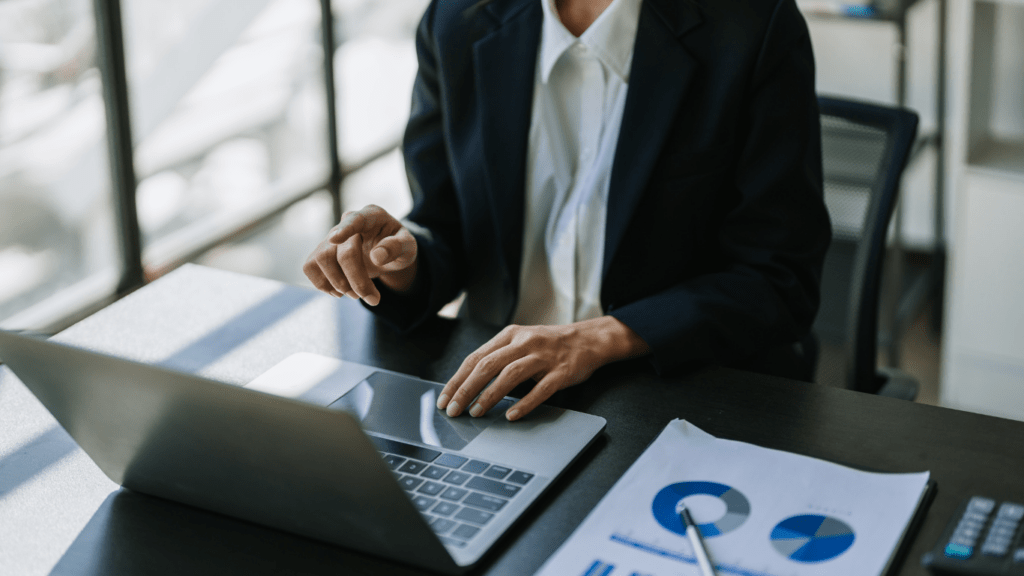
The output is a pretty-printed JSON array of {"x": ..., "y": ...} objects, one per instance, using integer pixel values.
[{"x": 697, "y": 542}]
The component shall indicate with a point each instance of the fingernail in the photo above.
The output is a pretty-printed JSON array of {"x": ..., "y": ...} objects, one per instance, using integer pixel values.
[
  {"x": 441, "y": 400},
  {"x": 476, "y": 410},
  {"x": 512, "y": 415},
  {"x": 453, "y": 409}
]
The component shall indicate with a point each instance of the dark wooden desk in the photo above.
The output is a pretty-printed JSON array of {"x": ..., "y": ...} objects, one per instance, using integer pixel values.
[{"x": 59, "y": 515}]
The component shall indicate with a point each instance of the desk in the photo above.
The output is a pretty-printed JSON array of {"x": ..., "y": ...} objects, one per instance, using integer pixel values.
[{"x": 60, "y": 515}]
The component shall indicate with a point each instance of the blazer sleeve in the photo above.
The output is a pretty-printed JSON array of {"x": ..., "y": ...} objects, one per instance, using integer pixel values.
[
  {"x": 772, "y": 243},
  {"x": 435, "y": 217}
]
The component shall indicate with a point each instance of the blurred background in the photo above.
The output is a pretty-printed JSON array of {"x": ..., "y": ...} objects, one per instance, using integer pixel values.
[{"x": 231, "y": 147}]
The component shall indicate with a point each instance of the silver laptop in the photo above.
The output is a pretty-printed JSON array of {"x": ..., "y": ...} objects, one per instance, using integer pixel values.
[{"x": 332, "y": 450}]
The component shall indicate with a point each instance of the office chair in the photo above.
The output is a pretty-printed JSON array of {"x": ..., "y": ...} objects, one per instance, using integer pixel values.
[{"x": 865, "y": 148}]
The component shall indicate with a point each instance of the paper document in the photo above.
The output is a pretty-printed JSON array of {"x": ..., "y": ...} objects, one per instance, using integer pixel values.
[{"x": 762, "y": 513}]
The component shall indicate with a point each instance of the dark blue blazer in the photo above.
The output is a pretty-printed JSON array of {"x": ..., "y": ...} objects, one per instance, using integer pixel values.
[{"x": 716, "y": 227}]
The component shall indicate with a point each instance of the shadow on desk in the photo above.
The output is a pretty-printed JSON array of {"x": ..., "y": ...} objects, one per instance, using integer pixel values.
[{"x": 132, "y": 534}]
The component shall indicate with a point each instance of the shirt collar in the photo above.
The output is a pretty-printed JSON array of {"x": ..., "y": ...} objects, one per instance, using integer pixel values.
[{"x": 611, "y": 37}]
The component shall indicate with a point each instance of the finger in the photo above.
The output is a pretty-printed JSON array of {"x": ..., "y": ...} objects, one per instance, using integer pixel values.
[
  {"x": 327, "y": 261},
  {"x": 395, "y": 252},
  {"x": 503, "y": 338},
  {"x": 511, "y": 376},
  {"x": 548, "y": 385},
  {"x": 485, "y": 370},
  {"x": 316, "y": 276},
  {"x": 359, "y": 222},
  {"x": 350, "y": 257}
]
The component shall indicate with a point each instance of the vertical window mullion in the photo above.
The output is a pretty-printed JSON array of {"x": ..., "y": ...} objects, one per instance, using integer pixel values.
[
  {"x": 327, "y": 35},
  {"x": 110, "y": 42}
]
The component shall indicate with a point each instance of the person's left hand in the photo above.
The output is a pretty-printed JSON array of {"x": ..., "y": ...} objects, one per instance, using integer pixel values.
[{"x": 555, "y": 356}]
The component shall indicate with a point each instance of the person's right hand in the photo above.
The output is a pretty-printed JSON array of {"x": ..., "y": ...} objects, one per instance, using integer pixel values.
[{"x": 366, "y": 244}]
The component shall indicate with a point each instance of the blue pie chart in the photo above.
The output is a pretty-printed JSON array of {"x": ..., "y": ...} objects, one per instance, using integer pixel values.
[
  {"x": 737, "y": 507},
  {"x": 812, "y": 538}
]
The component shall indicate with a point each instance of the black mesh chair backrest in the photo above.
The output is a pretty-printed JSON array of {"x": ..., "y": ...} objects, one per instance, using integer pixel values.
[{"x": 865, "y": 148}]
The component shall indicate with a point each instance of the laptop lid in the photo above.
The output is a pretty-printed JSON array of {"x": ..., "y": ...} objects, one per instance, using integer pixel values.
[{"x": 243, "y": 453}]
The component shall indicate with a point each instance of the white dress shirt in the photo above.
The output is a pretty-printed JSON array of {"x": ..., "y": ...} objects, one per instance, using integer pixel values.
[{"x": 578, "y": 99}]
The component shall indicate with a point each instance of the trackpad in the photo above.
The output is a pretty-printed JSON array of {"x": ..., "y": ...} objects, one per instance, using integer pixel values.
[{"x": 407, "y": 408}]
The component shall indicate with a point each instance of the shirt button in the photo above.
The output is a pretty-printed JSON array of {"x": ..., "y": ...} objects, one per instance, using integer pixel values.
[{"x": 580, "y": 48}]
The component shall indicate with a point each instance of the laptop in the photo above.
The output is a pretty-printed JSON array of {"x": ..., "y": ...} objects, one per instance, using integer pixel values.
[{"x": 332, "y": 450}]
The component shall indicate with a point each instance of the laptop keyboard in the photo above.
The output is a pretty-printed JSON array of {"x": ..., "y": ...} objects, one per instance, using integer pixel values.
[{"x": 456, "y": 495}]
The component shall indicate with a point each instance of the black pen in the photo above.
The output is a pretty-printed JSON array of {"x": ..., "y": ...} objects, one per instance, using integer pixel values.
[{"x": 696, "y": 541}]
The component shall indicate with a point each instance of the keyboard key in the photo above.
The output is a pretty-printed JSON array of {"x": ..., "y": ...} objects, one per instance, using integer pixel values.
[
  {"x": 434, "y": 473},
  {"x": 393, "y": 461},
  {"x": 452, "y": 542},
  {"x": 457, "y": 478},
  {"x": 442, "y": 525},
  {"x": 451, "y": 461},
  {"x": 485, "y": 502},
  {"x": 454, "y": 494},
  {"x": 403, "y": 449},
  {"x": 492, "y": 487},
  {"x": 431, "y": 489},
  {"x": 465, "y": 531},
  {"x": 1018, "y": 555},
  {"x": 412, "y": 467},
  {"x": 444, "y": 508},
  {"x": 520, "y": 478},
  {"x": 410, "y": 483},
  {"x": 497, "y": 472},
  {"x": 473, "y": 516},
  {"x": 475, "y": 467},
  {"x": 423, "y": 503}
]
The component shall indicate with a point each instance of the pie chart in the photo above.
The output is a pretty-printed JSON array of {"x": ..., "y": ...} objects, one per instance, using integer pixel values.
[
  {"x": 812, "y": 538},
  {"x": 737, "y": 507}
]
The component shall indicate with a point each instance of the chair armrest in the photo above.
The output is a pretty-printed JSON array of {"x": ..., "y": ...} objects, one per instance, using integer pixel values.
[{"x": 896, "y": 384}]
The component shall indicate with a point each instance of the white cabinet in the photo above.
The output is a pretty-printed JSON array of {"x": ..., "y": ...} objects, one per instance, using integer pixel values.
[{"x": 983, "y": 348}]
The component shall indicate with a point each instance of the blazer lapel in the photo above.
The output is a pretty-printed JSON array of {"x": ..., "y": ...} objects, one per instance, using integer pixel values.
[
  {"x": 661, "y": 72},
  {"x": 505, "y": 62}
]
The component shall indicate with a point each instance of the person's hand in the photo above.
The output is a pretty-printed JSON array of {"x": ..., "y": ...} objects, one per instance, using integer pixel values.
[
  {"x": 555, "y": 356},
  {"x": 366, "y": 244}
]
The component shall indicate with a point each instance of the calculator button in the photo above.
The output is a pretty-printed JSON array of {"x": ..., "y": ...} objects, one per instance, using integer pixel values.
[
  {"x": 975, "y": 516},
  {"x": 991, "y": 549},
  {"x": 958, "y": 551},
  {"x": 963, "y": 541},
  {"x": 980, "y": 504},
  {"x": 1018, "y": 555},
  {"x": 971, "y": 533},
  {"x": 1011, "y": 511}
]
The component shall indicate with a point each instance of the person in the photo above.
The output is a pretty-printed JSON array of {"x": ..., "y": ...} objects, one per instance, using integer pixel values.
[{"x": 607, "y": 179}]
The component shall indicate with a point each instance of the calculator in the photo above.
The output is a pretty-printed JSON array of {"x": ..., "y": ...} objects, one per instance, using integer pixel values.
[{"x": 983, "y": 538}]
